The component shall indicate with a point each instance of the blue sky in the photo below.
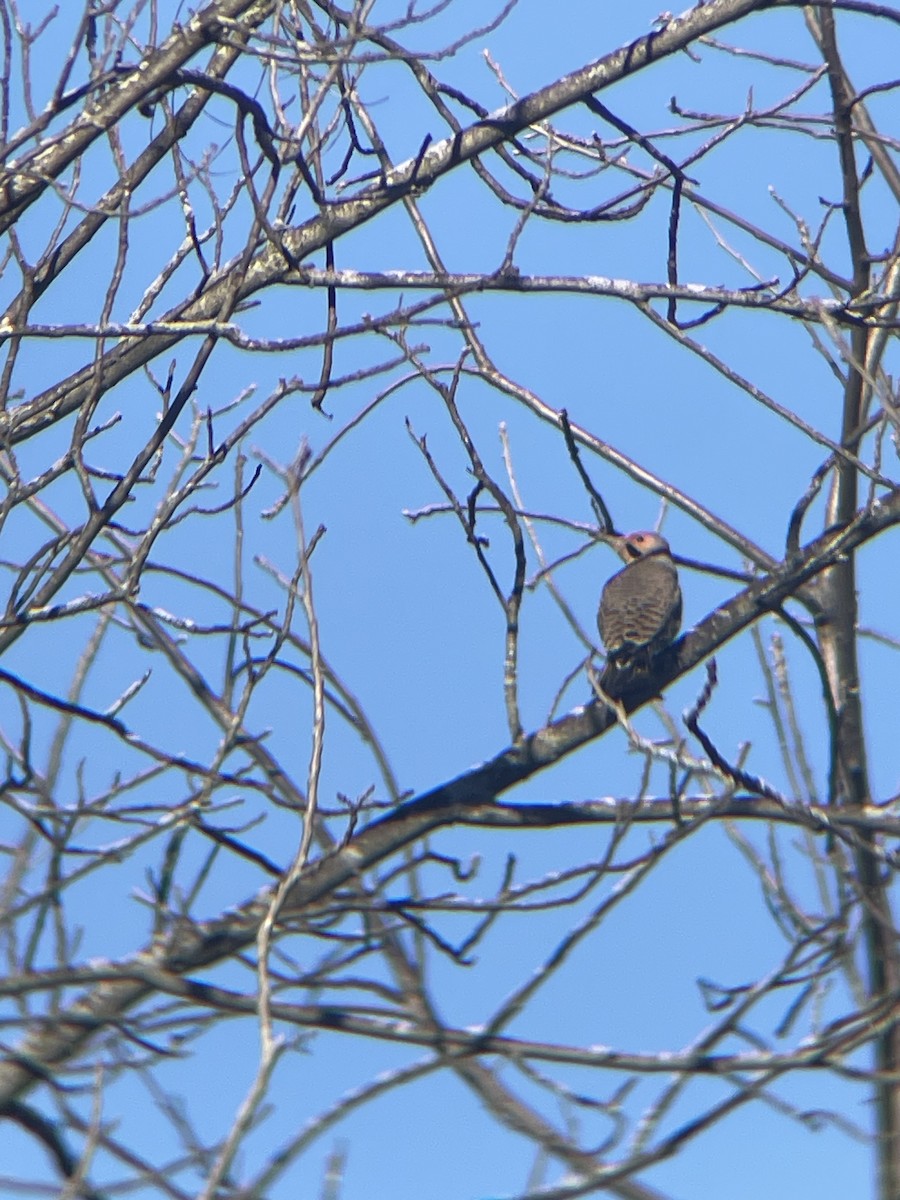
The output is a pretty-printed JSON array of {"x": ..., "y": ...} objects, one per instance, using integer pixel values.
[{"x": 409, "y": 624}]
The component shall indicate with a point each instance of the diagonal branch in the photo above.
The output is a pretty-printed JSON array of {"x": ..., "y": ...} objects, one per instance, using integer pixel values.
[{"x": 189, "y": 946}]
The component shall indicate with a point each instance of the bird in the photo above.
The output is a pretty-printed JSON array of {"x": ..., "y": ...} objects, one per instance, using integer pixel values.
[{"x": 640, "y": 606}]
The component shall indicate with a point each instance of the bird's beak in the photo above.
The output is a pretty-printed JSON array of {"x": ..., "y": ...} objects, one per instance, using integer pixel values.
[{"x": 619, "y": 543}]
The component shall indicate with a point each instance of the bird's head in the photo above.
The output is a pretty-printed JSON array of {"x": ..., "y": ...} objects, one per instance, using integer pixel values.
[{"x": 638, "y": 545}]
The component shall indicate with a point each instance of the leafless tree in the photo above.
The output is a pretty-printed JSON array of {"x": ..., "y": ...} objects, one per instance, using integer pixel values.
[{"x": 332, "y": 355}]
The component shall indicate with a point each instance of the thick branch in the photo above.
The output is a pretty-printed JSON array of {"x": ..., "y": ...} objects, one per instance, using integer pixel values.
[{"x": 189, "y": 946}]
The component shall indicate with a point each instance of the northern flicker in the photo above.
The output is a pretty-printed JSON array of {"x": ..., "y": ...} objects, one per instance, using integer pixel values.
[{"x": 640, "y": 608}]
